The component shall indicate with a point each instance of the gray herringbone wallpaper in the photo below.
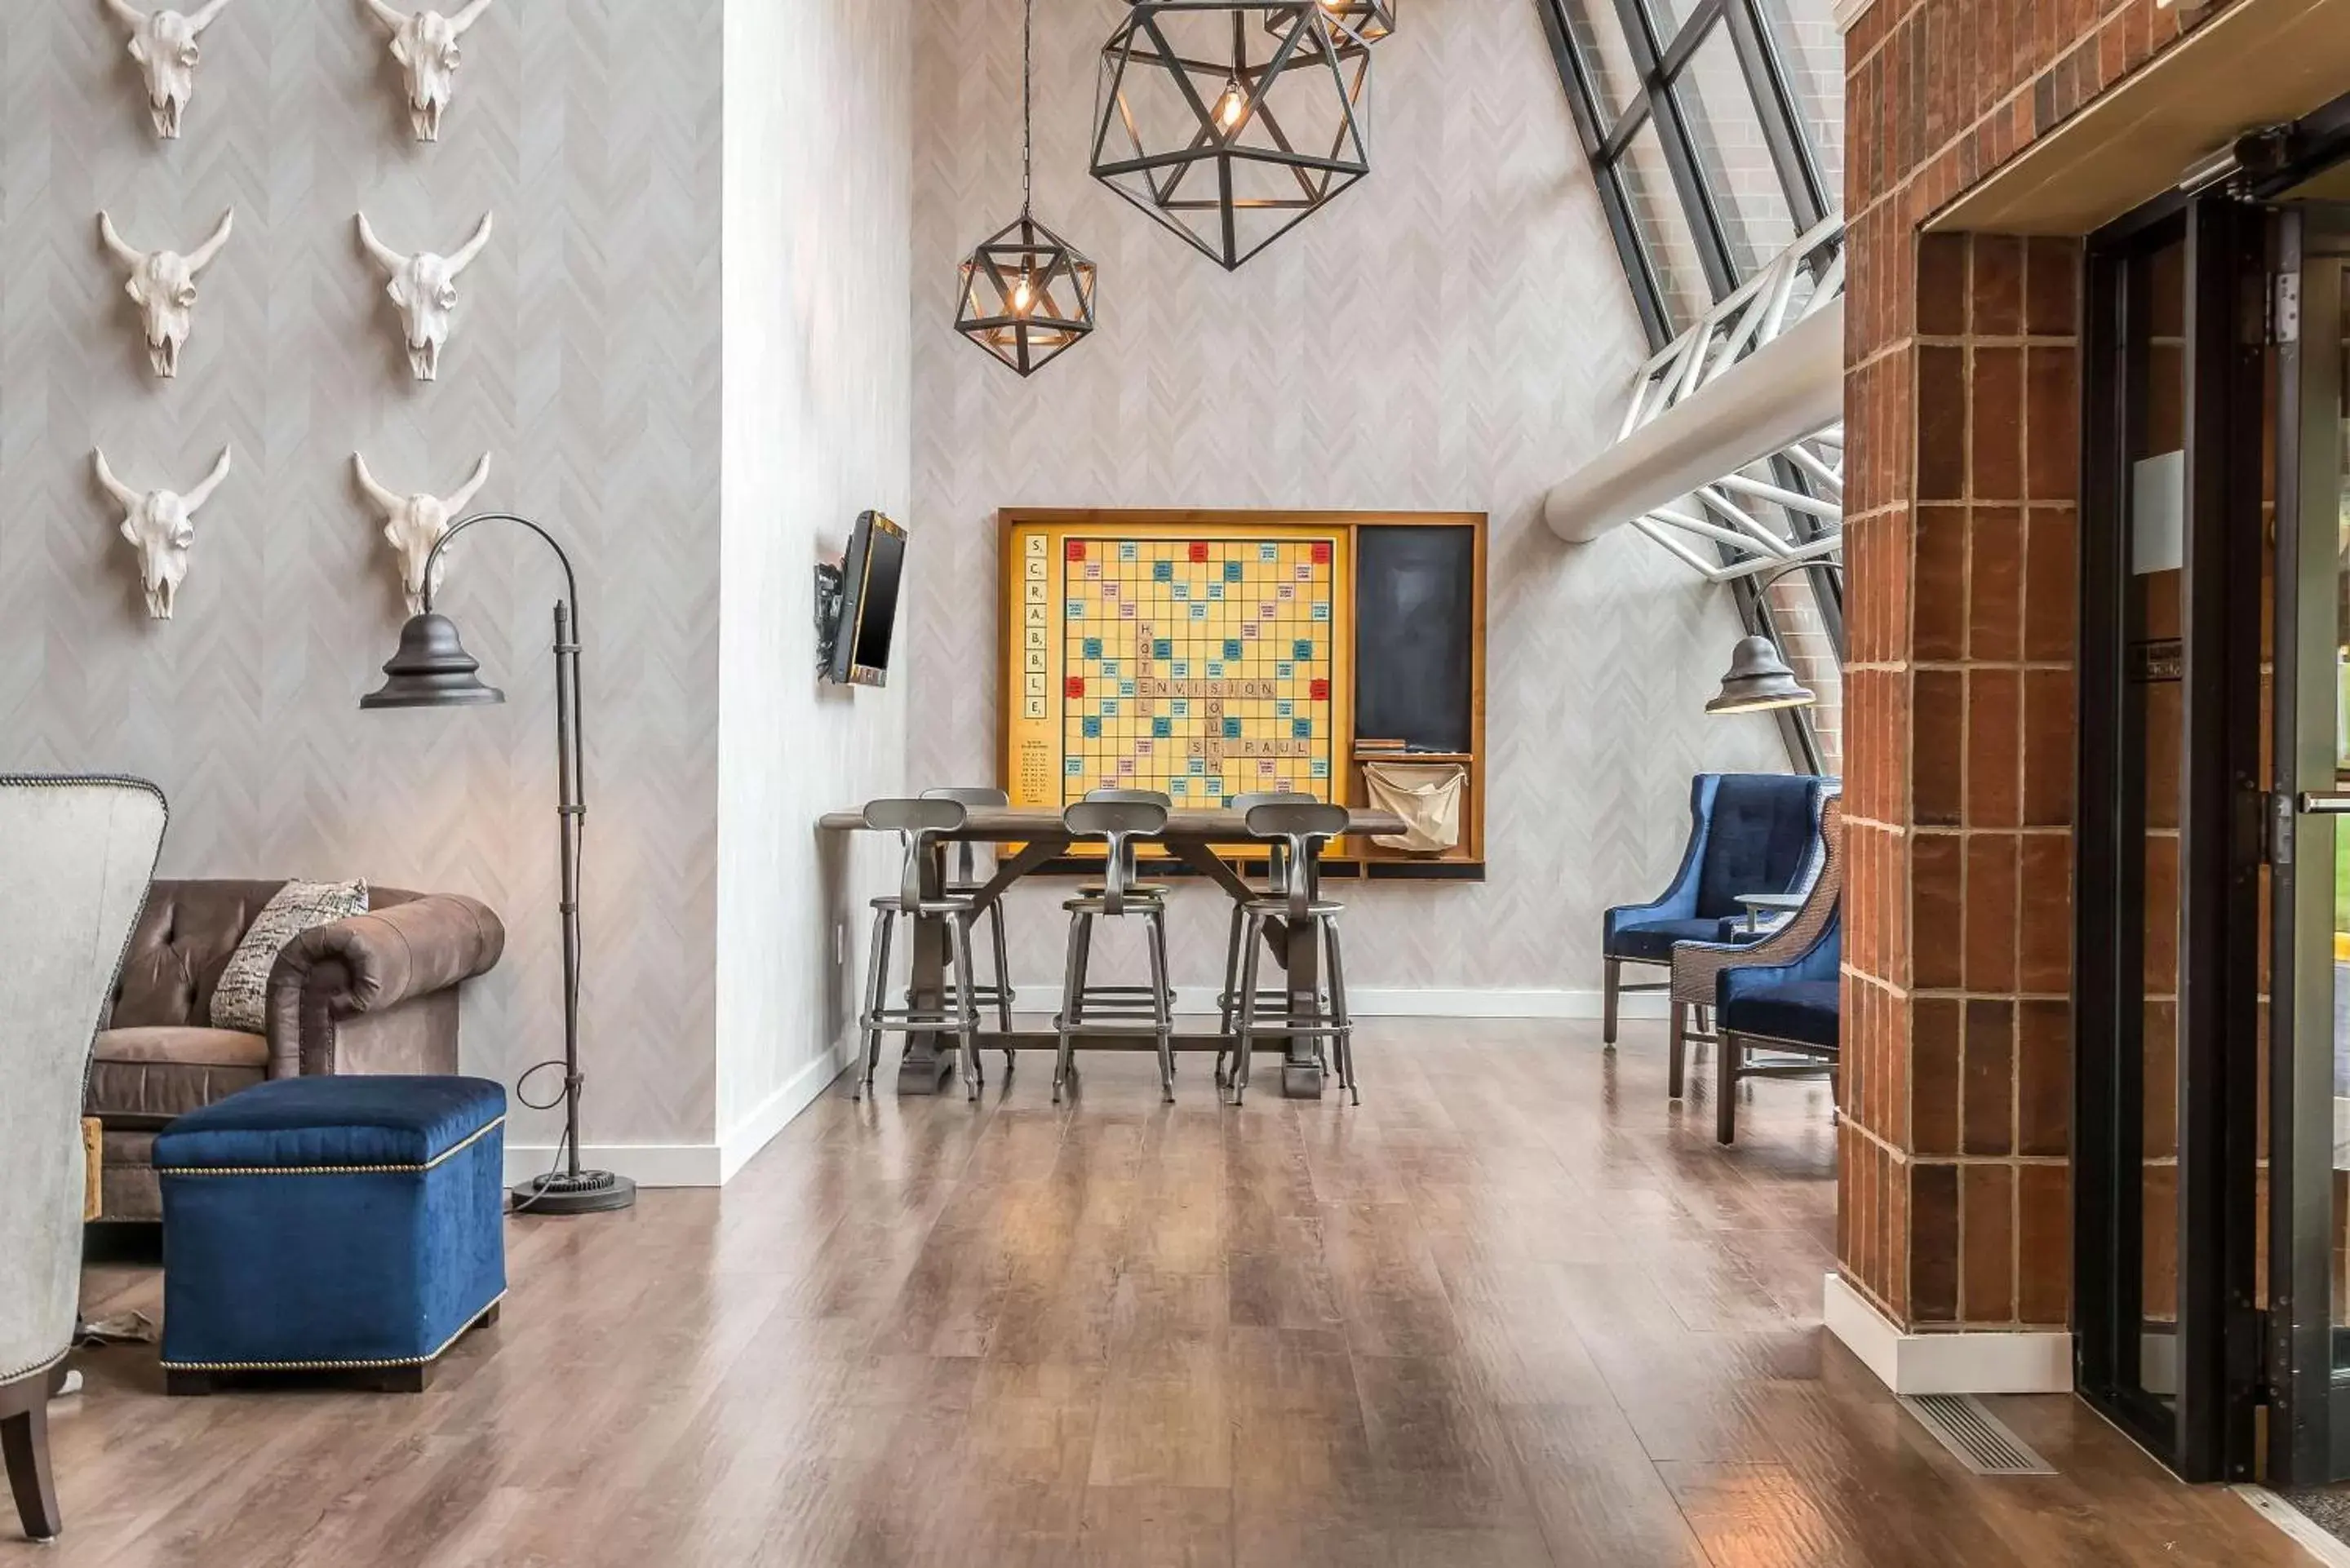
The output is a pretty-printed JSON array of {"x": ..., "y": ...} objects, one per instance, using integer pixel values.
[
  {"x": 1452, "y": 333},
  {"x": 587, "y": 359},
  {"x": 818, "y": 186}
]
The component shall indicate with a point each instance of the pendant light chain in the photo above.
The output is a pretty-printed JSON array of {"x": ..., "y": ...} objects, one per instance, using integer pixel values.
[
  {"x": 1027, "y": 113},
  {"x": 1027, "y": 293}
]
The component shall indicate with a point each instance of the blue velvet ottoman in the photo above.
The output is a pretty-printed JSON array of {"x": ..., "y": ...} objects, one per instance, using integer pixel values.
[{"x": 331, "y": 1224}]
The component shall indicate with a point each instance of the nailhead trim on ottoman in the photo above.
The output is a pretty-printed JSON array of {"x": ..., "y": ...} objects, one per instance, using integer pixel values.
[{"x": 385, "y": 1251}]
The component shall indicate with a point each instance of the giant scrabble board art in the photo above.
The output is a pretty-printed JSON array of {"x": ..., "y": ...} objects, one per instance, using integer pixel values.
[{"x": 1206, "y": 661}]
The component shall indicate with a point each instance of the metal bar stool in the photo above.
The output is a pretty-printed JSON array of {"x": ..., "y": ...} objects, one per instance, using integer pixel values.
[
  {"x": 919, "y": 824},
  {"x": 964, "y": 880},
  {"x": 1119, "y": 824},
  {"x": 1127, "y": 1000},
  {"x": 1277, "y": 885},
  {"x": 1301, "y": 831}
]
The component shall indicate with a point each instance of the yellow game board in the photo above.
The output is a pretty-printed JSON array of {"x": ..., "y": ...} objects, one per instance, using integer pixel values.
[{"x": 1205, "y": 662}]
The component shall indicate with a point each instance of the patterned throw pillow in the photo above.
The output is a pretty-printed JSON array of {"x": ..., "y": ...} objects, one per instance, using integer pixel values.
[{"x": 241, "y": 1001}]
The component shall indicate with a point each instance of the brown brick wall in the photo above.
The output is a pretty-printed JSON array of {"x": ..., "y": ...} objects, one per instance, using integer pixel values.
[{"x": 1962, "y": 419}]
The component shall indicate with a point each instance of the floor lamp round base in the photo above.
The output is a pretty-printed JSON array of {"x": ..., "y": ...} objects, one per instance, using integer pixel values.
[{"x": 589, "y": 1192}]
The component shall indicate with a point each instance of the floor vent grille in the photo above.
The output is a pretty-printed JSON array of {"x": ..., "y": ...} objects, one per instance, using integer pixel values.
[{"x": 1982, "y": 1441}]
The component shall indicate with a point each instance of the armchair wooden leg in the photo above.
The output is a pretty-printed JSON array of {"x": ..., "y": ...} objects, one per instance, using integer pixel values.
[
  {"x": 24, "y": 1453},
  {"x": 1611, "y": 978},
  {"x": 1731, "y": 1052},
  {"x": 1676, "y": 1062}
]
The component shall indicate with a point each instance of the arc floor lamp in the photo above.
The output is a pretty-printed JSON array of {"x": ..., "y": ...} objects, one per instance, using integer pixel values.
[
  {"x": 432, "y": 670},
  {"x": 1759, "y": 678}
]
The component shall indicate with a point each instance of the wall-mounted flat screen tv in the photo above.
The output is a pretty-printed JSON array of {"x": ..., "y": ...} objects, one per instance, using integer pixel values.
[{"x": 868, "y": 606}]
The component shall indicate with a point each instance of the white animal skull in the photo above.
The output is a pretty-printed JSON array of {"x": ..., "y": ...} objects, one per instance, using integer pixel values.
[
  {"x": 413, "y": 524},
  {"x": 164, "y": 284},
  {"x": 425, "y": 45},
  {"x": 164, "y": 44},
  {"x": 424, "y": 287},
  {"x": 159, "y": 525}
]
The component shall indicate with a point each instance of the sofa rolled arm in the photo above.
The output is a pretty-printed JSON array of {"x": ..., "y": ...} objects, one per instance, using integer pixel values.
[{"x": 372, "y": 963}]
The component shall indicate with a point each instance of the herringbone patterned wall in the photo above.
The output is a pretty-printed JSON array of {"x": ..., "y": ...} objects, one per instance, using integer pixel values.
[
  {"x": 818, "y": 203},
  {"x": 586, "y": 358},
  {"x": 1453, "y": 334}
]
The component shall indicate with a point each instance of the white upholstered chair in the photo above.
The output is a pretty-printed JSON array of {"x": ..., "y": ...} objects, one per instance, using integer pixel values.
[{"x": 76, "y": 858}]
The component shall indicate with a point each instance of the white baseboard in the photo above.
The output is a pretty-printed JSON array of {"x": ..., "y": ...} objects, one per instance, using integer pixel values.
[
  {"x": 1199, "y": 1001},
  {"x": 1499, "y": 1002},
  {"x": 2302, "y": 1529},
  {"x": 2023, "y": 1362},
  {"x": 738, "y": 1144},
  {"x": 695, "y": 1164}
]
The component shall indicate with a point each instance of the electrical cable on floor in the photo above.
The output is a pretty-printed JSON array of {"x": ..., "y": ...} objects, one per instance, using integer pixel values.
[{"x": 563, "y": 1140}]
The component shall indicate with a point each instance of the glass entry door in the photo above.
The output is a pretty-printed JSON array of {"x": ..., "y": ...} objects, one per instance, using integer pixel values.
[
  {"x": 2309, "y": 1317},
  {"x": 2169, "y": 867}
]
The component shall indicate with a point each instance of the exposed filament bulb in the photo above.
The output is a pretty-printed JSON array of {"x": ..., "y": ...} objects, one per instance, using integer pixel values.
[{"x": 1231, "y": 106}]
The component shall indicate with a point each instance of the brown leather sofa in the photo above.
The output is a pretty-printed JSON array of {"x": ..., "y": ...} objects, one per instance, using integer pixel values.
[{"x": 376, "y": 993}]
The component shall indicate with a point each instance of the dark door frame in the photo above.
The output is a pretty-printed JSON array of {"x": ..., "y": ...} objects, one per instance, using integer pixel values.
[
  {"x": 2205, "y": 1432},
  {"x": 2309, "y": 1408}
]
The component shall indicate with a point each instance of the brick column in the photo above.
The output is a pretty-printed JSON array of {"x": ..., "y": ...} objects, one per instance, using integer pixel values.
[
  {"x": 1962, "y": 414},
  {"x": 1961, "y": 785}
]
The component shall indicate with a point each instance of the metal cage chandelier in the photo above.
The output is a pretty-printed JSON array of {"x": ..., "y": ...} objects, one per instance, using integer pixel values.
[
  {"x": 1354, "y": 23},
  {"x": 1231, "y": 121},
  {"x": 1027, "y": 293}
]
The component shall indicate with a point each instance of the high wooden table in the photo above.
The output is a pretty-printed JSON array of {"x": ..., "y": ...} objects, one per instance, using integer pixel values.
[{"x": 1190, "y": 837}]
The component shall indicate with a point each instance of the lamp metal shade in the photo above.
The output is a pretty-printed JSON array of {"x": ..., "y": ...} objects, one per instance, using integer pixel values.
[
  {"x": 1230, "y": 121},
  {"x": 1759, "y": 679},
  {"x": 431, "y": 669},
  {"x": 1027, "y": 295}
]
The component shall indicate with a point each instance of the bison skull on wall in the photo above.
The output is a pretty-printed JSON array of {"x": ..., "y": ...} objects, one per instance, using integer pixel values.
[
  {"x": 413, "y": 524},
  {"x": 164, "y": 44},
  {"x": 425, "y": 45},
  {"x": 424, "y": 287},
  {"x": 159, "y": 525},
  {"x": 163, "y": 282}
]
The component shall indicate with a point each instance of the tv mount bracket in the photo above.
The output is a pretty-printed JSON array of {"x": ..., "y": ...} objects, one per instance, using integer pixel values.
[{"x": 831, "y": 591}]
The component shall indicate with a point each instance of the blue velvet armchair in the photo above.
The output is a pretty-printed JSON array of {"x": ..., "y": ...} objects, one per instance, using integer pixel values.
[
  {"x": 1790, "y": 1009},
  {"x": 1750, "y": 833}
]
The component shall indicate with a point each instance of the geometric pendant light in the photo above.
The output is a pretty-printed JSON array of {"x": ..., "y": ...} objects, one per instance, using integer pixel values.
[
  {"x": 1230, "y": 121},
  {"x": 1359, "y": 23},
  {"x": 1027, "y": 293}
]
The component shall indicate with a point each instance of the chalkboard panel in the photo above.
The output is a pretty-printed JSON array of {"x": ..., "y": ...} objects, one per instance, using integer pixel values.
[{"x": 1415, "y": 636}]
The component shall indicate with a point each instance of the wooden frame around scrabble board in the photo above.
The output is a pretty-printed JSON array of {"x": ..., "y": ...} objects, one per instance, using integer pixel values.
[{"x": 1045, "y": 653}]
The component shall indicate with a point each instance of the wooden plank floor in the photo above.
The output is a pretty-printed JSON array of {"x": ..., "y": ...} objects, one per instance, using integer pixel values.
[{"x": 1513, "y": 1310}]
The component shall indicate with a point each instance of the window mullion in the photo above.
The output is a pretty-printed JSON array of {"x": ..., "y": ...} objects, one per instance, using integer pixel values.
[
  {"x": 1640, "y": 270},
  {"x": 1582, "y": 93},
  {"x": 1674, "y": 53},
  {"x": 1635, "y": 116},
  {"x": 1585, "y": 100},
  {"x": 1672, "y": 138},
  {"x": 1782, "y": 125}
]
